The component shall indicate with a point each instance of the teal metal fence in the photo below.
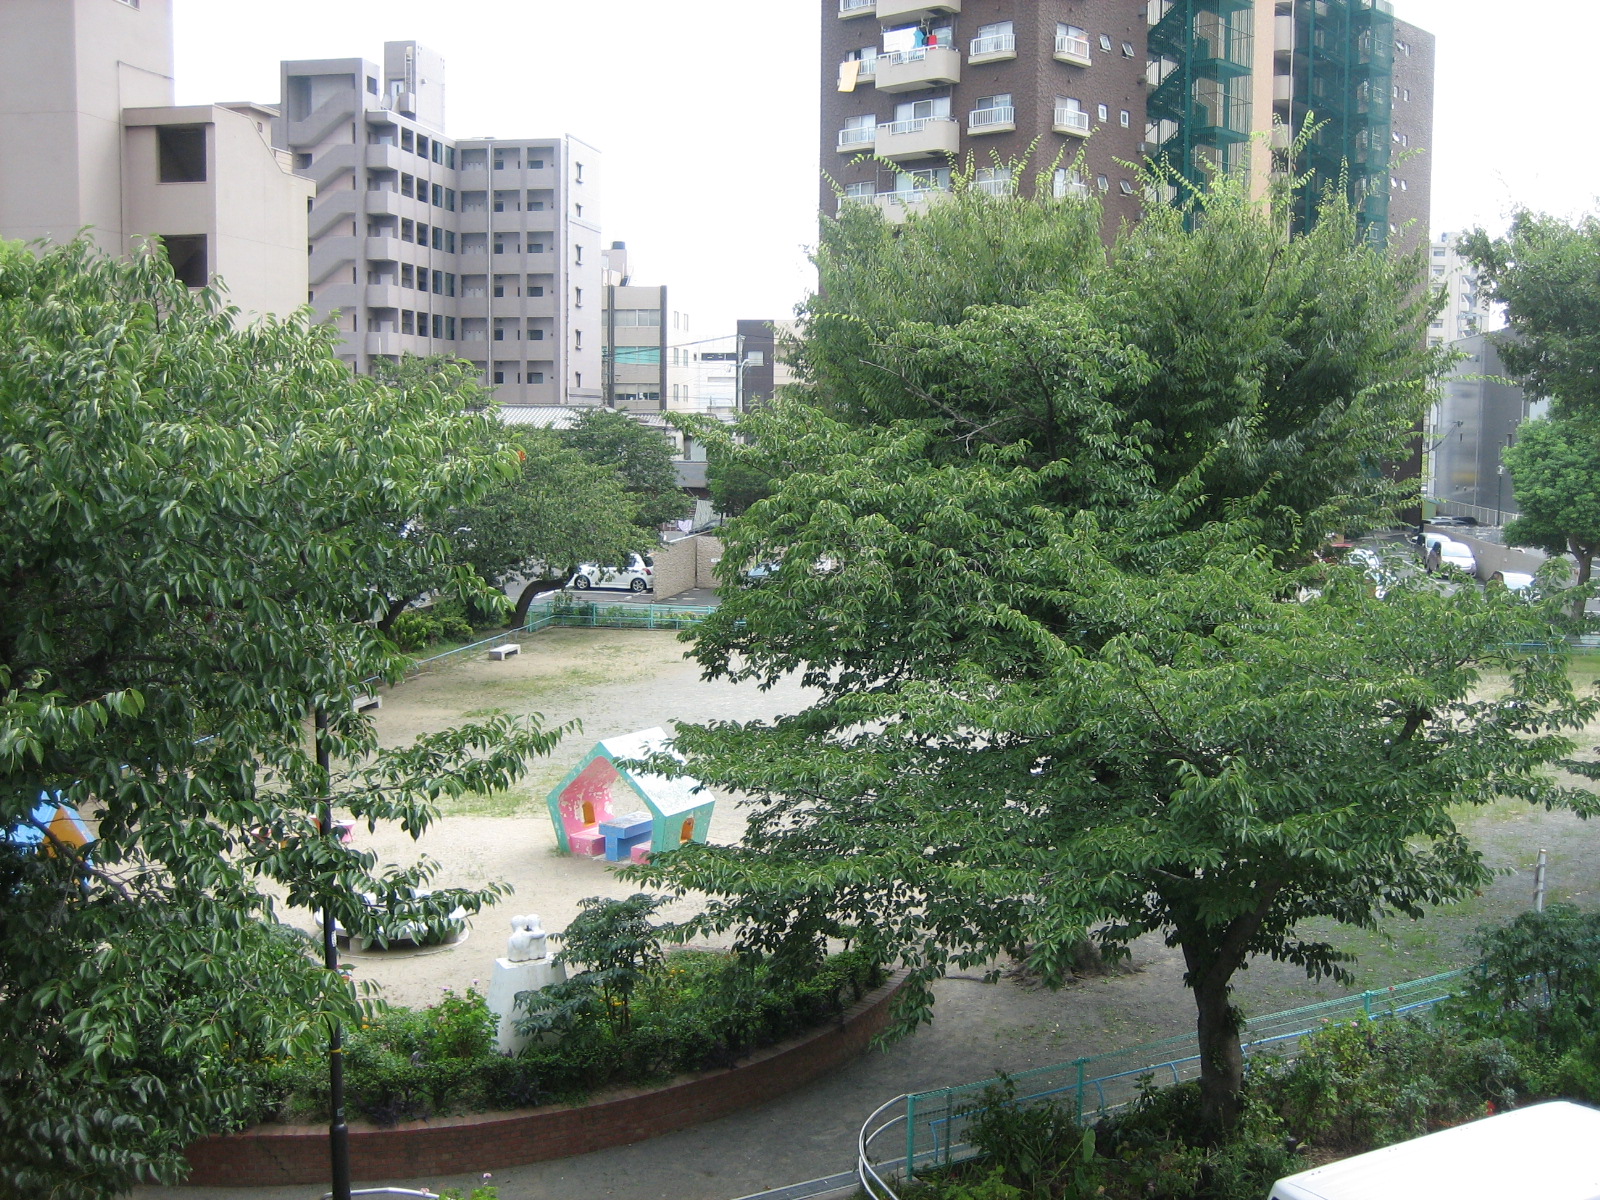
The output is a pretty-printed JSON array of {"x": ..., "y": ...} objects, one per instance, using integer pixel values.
[
  {"x": 936, "y": 1121},
  {"x": 579, "y": 614}
]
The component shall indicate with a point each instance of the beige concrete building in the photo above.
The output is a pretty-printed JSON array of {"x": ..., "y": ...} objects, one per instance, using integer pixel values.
[
  {"x": 486, "y": 249},
  {"x": 90, "y": 140}
]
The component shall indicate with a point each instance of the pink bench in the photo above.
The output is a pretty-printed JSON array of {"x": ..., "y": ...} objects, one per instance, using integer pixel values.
[
  {"x": 588, "y": 840},
  {"x": 640, "y": 854}
]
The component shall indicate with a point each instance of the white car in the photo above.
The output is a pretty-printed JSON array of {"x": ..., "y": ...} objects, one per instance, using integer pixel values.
[
  {"x": 1439, "y": 551},
  {"x": 637, "y": 576}
]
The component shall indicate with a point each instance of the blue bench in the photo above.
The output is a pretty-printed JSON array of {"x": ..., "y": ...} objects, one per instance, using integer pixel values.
[{"x": 623, "y": 833}]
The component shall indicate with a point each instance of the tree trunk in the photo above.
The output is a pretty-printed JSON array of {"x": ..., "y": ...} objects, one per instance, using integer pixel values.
[
  {"x": 1585, "y": 557},
  {"x": 519, "y": 617},
  {"x": 393, "y": 615},
  {"x": 1221, "y": 1059}
]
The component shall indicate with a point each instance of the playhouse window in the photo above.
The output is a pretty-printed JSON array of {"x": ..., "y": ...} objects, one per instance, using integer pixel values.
[
  {"x": 588, "y": 812},
  {"x": 687, "y": 835}
]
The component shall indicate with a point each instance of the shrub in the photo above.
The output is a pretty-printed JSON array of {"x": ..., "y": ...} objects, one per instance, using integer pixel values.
[{"x": 1039, "y": 1148}]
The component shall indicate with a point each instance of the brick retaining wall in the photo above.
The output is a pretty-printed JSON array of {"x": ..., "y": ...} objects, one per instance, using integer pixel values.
[{"x": 294, "y": 1154}]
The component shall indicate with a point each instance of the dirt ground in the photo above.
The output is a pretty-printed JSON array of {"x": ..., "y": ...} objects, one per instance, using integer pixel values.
[{"x": 617, "y": 681}]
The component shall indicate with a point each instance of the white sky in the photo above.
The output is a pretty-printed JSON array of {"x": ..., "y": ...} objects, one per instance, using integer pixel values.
[{"x": 708, "y": 122}]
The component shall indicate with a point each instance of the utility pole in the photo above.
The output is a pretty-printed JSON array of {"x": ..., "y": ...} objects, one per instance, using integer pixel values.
[{"x": 338, "y": 1129}]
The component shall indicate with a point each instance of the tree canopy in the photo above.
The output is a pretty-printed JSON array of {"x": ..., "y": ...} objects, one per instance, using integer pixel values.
[
  {"x": 1555, "y": 466},
  {"x": 1049, "y": 557},
  {"x": 1546, "y": 272},
  {"x": 640, "y": 455},
  {"x": 195, "y": 516}
]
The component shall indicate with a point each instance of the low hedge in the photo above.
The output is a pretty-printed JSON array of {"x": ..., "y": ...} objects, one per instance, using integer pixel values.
[{"x": 698, "y": 1010}]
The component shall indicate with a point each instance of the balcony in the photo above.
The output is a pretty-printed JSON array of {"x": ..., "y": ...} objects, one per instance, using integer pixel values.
[
  {"x": 923, "y": 137},
  {"x": 914, "y": 10},
  {"x": 896, "y": 206},
  {"x": 856, "y": 8},
  {"x": 1073, "y": 122},
  {"x": 857, "y": 141},
  {"x": 924, "y": 67},
  {"x": 992, "y": 120},
  {"x": 1073, "y": 50},
  {"x": 997, "y": 48}
]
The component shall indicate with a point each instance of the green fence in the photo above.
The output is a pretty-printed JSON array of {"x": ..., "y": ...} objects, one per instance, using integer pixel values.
[
  {"x": 584, "y": 615},
  {"x": 936, "y": 1121}
]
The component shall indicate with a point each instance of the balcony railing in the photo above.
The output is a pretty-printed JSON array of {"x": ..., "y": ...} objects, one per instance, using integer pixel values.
[
  {"x": 868, "y": 67},
  {"x": 851, "y": 138},
  {"x": 899, "y": 128},
  {"x": 853, "y": 8},
  {"x": 999, "y": 43},
  {"x": 1072, "y": 120},
  {"x": 908, "y": 196},
  {"x": 982, "y": 118},
  {"x": 1074, "y": 49}
]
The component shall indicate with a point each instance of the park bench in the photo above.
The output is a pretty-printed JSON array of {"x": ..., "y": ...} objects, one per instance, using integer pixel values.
[
  {"x": 501, "y": 653},
  {"x": 365, "y": 702}
]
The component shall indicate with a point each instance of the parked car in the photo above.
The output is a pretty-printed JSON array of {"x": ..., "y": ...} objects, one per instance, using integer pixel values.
[
  {"x": 1372, "y": 565},
  {"x": 637, "y": 576},
  {"x": 1440, "y": 551},
  {"x": 1516, "y": 581}
]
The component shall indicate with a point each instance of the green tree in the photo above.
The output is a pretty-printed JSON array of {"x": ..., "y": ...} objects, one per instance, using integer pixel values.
[
  {"x": 559, "y": 510},
  {"x": 1038, "y": 720},
  {"x": 1292, "y": 371},
  {"x": 1546, "y": 272},
  {"x": 642, "y": 456},
  {"x": 735, "y": 483},
  {"x": 195, "y": 513},
  {"x": 1555, "y": 467},
  {"x": 1044, "y": 512}
]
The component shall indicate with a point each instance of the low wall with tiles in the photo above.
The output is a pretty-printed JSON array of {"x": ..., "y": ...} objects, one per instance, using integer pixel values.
[{"x": 271, "y": 1155}]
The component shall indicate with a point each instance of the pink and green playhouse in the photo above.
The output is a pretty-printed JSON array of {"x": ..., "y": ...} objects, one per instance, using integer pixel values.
[{"x": 602, "y": 808}]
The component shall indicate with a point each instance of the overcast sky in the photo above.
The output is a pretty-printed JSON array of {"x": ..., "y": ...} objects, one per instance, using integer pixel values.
[{"x": 707, "y": 111}]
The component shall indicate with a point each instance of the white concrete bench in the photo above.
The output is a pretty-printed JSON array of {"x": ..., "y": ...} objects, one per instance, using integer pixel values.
[
  {"x": 501, "y": 653},
  {"x": 363, "y": 703}
]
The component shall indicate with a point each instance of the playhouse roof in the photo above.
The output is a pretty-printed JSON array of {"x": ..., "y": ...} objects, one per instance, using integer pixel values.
[{"x": 667, "y": 796}]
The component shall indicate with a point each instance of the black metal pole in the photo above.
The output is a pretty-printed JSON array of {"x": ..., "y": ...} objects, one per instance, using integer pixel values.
[{"x": 338, "y": 1129}]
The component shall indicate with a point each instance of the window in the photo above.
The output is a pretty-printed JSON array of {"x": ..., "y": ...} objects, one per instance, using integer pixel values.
[
  {"x": 577, "y": 255},
  {"x": 534, "y": 289},
  {"x": 450, "y": 328},
  {"x": 577, "y": 297},
  {"x": 407, "y": 140},
  {"x": 535, "y": 376},
  {"x": 1068, "y": 182},
  {"x": 1072, "y": 43},
  {"x": 449, "y": 287},
  {"x": 438, "y": 283},
  {"x": 536, "y": 335},
  {"x": 407, "y": 185},
  {"x": 181, "y": 150},
  {"x": 422, "y": 146},
  {"x": 438, "y": 325},
  {"x": 422, "y": 234},
  {"x": 535, "y": 247},
  {"x": 407, "y": 321},
  {"x": 532, "y": 204},
  {"x": 1124, "y": 118},
  {"x": 372, "y": 86},
  {"x": 922, "y": 110},
  {"x": 1127, "y": 50},
  {"x": 450, "y": 241},
  {"x": 438, "y": 196},
  {"x": 1125, "y": 187},
  {"x": 577, "y": 210},
  {"x": 1105, "y": 43},
  {"x": 858, "y": 191},
  {"x": 499, "y": 376},
  {"x": 438, "y": 152},
  {"x": 408, "y": 231},
  {"x": 449, "y": 200},
  {"x": 633, "y": 318},
  {"x": 648, "y": 356},
  {"x": 1102, "y": 112},
  {"x": 996, "y": 181},
  {"x": 996, "y": 38},
  {"x": 1101, "y": 182},
  {"x": 450, "y": 157},
  {"x": 186, "y": 254},
  {"x": 577, "y": 339},
  {"x": 536, "y": 164},
  {"x": 408, "y": 275},
  {"x": 577, "y": 172}
]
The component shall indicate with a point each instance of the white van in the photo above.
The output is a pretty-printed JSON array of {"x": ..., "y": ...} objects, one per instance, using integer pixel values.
[{"x": 1542, "y": 1152}]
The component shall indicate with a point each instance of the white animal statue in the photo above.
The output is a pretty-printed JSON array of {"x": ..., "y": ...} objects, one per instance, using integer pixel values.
[{"x": 527, "y": 940}]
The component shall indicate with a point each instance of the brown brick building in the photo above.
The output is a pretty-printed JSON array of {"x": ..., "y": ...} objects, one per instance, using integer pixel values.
[{"x": 915, "y": 88}]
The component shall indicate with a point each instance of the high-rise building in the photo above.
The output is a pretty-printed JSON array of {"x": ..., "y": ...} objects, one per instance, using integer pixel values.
[
  {"x": 485, "y": 249},
  {"x": 90, "y": 140},
  {"x": 634, "y": 321},
  {"x": 920, "y": 85},
  {"x": 1200, "y": 85},
  {"x": 1467, "y": 308}
]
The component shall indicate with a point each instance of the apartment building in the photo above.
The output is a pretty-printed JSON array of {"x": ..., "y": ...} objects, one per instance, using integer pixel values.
[
  {"x": 1467, "y": 308},
  {"x": 485, "y": 249},
  {"x": 914, "y": 87},
  {"x": 635, "y": 353},
  {"x": 911, "y": 88},
  {"x": 90, "y": 140}
]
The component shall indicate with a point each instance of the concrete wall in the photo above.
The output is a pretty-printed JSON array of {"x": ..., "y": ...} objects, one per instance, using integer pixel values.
[
  {"x": 67, "y": 70},
  {"x": 251, "y": 207},
  {"x": 687, "y": 563}
]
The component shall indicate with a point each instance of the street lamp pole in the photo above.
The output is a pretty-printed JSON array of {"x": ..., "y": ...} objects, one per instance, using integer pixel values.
[{"x": 338, "y": 1129}]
